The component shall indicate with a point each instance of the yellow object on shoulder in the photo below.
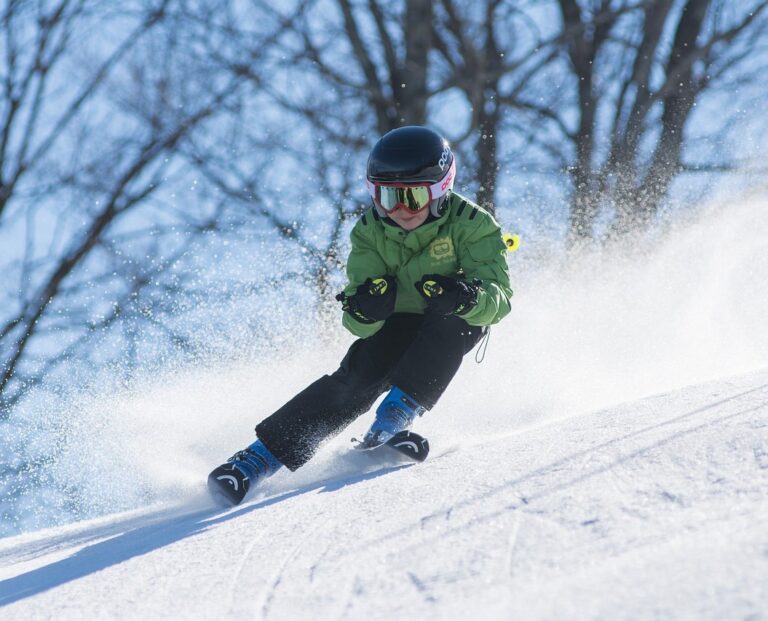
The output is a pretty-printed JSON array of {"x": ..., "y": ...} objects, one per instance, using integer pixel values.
[{"x": 512, "y": 240}]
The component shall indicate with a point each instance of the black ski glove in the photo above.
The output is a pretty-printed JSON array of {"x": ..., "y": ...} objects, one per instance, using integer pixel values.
[
  {"x": 448, "y": 296},
  {"x": 373, "y": 301}
]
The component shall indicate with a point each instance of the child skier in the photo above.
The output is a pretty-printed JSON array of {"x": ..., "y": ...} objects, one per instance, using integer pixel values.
[{"x": 427, "y": 276}]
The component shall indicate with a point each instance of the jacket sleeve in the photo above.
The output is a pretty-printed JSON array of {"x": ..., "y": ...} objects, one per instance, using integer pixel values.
[
  {"x": 482, "y": 254},
  {"x": 364, "y": 262}
]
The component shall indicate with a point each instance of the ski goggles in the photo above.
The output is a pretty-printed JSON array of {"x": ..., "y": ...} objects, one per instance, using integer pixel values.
[{"x": 411, "y": 196}]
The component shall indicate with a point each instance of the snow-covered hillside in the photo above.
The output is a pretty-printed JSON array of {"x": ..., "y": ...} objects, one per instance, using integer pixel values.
[
  {"x": 542, "y": 499},
  {"x": 653, "y": 509}
]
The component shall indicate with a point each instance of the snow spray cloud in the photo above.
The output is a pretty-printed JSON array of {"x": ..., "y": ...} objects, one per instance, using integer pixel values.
[
  {"x": 585, "y": 333},
  {"x": 606, "y": 327}
]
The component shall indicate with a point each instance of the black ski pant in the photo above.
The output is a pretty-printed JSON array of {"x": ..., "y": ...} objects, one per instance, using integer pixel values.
[{"x": 419, "y": 354}]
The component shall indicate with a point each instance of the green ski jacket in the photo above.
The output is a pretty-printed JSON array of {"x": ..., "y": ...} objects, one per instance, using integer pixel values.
[{"x": 465, "y": 242}]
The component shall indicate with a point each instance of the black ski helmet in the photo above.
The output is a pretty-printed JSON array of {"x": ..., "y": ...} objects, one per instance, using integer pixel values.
[{"x": 413, "y": 154}]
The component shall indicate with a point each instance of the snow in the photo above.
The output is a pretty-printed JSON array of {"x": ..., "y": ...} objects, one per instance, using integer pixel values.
[
  {"x": 607, "y": 460},
  {"x": 652, "y": 509}
]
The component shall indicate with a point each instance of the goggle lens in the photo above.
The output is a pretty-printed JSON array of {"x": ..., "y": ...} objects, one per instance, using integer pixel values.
[{"x": 413, "y": 198}]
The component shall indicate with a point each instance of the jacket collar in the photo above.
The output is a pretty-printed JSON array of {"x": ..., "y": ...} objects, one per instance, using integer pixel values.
[{"x": 417, "y": 239}]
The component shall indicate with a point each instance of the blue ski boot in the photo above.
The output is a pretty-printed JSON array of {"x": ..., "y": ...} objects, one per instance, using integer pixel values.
[
  {"x": 230, "y": 482},
  {"x": 395, "y": 414}
]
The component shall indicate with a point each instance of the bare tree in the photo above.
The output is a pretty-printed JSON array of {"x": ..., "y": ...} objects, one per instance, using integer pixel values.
[
  {"x": 90, "y": 150},
  {"x": 392, "y": 62},
  {"x": 637, "y": 70},
  {"x": 337, "y": 79},
  {"x": 476, "y": 48},
  {"x": 602, "y": 92}
]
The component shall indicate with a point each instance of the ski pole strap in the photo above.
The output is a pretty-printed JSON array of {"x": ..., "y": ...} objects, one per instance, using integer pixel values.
[{"x": 480, "y": 353}]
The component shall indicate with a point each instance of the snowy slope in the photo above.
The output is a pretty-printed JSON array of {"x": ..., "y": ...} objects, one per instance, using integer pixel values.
[
  {"x": 653, "y": 509},
  {"x": 543, "y": 498}
]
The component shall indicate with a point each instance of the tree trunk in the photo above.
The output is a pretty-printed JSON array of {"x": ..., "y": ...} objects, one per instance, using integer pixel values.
[{"x": 411, "y": 94}]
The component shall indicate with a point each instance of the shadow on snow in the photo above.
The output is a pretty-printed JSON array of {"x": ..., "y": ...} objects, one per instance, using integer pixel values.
[{"x": 147, "y": 538}]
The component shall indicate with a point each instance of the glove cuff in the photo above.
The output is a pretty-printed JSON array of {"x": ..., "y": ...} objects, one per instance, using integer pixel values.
[{"x": 349, "y": 305}]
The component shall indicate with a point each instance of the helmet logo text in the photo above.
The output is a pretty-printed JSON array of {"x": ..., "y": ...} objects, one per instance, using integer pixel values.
[{"x": 443, "y": 162}]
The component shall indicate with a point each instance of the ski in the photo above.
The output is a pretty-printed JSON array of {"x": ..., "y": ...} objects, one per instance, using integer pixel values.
[
  {"x": 228, "y": 485},
  {"x": 407, "y": 443}
]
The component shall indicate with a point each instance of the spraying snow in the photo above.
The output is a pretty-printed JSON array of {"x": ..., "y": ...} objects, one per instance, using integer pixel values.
[
  {"x": 648, "y": 510},
  {"x": 686, "y": 307}
]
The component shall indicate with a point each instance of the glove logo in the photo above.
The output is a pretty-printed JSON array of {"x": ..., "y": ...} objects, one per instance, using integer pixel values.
[
  {"x": 378, "y": 286},
  {"x": 441, "y": 250}
]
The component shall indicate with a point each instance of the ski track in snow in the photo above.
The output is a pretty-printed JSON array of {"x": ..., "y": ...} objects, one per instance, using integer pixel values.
[{"x": 653, "y": 509}]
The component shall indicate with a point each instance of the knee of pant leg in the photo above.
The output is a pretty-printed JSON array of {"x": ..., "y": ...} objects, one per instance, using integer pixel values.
[
  {"x": 360, "y": 374},
  {"x": 453, "y": 332},
  {"x": 350, "y": 379}
]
